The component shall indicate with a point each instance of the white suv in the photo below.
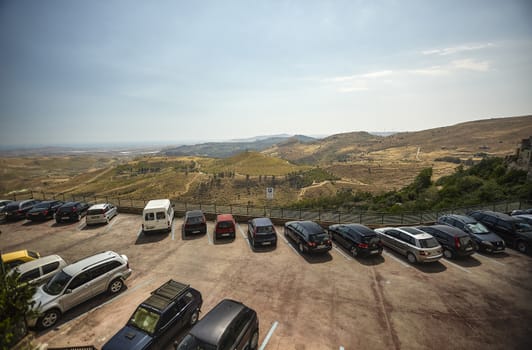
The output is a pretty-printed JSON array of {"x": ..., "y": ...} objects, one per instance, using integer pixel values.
[
  {"x": 77, "y": 283},
  {"x": 100, "y": 213}
]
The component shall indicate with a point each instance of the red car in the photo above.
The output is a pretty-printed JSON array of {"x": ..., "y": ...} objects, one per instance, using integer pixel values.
[{"x": 225, "y": 227}]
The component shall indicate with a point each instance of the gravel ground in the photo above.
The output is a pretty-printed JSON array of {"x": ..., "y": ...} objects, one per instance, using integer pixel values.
[{"x": 325, "y": 301}]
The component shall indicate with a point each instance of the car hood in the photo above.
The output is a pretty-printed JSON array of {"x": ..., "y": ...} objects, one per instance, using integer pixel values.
[
  {"x": 490, "y": 237},
  {"x": 41, "y": 298},
  {"x": 128, "y": 338}
]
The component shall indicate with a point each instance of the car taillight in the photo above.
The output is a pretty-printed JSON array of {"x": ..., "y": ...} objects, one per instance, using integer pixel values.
[
  {"x": 45, "y": 212},
  {"x": 255, "y": 233},
  {"x": 73, "y": 208},
  {"x": 20, "y": 211},
  {"x": 311, "y": 244},
  {"x": 362, "y": 245},
  {"x": 457, "y": 242}
]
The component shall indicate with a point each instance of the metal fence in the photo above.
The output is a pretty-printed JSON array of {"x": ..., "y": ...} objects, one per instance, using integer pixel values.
[{"x": 285, "y": 214}]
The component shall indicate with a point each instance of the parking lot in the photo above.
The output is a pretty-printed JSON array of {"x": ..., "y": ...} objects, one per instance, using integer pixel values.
[{"x": 329, "y": 301}]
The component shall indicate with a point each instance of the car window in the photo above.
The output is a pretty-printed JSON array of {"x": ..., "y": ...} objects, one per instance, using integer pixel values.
[
  {"x": 488, "y": 219},
  {"x": 80, "y": 280},
  {"x": 50, "y": 267},
  {"x": 406, "y": 238},
  {"x": 160, "y": 215},
  {"x": 144, "y": 319},
  {"x": 393, "y": 233},
  {"x": 30, "y": 275},
  {"x": 169, "y": 315},
  {"x": 104, "y": 268},
  {"x": 428, "y": 243},
  {"x": 522, "y": 226},
  {"x": 149, "y": 216},
  {"x": 225, "y": 224},
  {"x": 194, "y": 220}
]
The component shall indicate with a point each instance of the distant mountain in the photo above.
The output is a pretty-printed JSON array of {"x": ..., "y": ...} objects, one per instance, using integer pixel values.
[{"x": 230, "y": 148}]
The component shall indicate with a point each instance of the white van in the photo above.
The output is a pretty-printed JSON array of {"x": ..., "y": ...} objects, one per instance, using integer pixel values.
[{"x": 157, "y": 215}]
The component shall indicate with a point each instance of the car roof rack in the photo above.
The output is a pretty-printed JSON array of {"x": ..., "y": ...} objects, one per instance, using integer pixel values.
[{"x": 166, "y": 294}]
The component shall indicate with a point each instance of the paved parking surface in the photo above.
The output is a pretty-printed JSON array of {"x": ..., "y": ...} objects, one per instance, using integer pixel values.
[{"x": 326, "y": 301}]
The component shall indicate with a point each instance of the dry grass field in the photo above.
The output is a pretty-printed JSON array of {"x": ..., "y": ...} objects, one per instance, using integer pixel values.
[{"x": 359, "y": 161}]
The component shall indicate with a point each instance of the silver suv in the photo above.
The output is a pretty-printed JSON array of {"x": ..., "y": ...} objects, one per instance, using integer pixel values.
[
  {"x": 77, "y": 283},
  {"x": 418, "y": 246}
]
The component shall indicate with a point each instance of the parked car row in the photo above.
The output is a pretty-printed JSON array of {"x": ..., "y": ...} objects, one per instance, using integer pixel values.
[
  {"x": 36, "y": 210},
  {"x": 174, "y": 307}
]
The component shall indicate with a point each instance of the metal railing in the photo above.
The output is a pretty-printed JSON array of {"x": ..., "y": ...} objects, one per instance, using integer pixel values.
[{"x": 285, "y": 214}]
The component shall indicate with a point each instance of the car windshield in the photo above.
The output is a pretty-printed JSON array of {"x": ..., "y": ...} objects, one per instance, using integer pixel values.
[
  {"x": 428, "y": 243},
  {"x": 95, "y": 212},
  {"x": 318, "y": 237},
  {"x": 144, "y": 319},
  {"x": 225, "y": 224},
  {"x": 522, "y": 226},
  {"x": 195, "y": 220},
  {"x": 477, "y": 228},
  {"x": 57, "y": 283},
  {"x": 265, "y": 229},
  {"x": 192, "y": 343}
]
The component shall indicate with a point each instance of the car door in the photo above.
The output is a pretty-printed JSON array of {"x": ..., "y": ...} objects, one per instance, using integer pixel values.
[
  {"x": 101, "y": 276},
  {"x": 340, "y": 237},
  {"x": 393, "y": 239},
  {"x": 506, "y": 230},
  {"x": 168, "y": 327},
  {"x": 77, "y": 291}
]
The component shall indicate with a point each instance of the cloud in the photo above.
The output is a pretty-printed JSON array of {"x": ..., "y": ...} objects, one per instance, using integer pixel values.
[
  {"x": 456, "y": 49},
  {"x": 470, "y": 64},
  {"x": 359, "y": 85},
  {"x": 370, "y": 75}
]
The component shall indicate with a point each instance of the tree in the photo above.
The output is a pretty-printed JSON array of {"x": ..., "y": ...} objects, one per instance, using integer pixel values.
[{"x": 15, "y": 307}]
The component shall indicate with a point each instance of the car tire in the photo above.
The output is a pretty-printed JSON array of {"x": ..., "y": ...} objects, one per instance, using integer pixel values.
[
  {"x": 254, "y": 341},
  {"x": 522, "y": 247},
  {"x": 354, "y": 251},
  {"x": 58, "y": 221},
  {"x": 300, "y": 247},
  {"x": 194, "y": 318},
  {"x": 448, "y": 254},
  {"x": 115, "y": 286},
  {"x": 107, "y": 221},
  {"x": 49, "y": 319},
  {"x": 411, "y": 258}
]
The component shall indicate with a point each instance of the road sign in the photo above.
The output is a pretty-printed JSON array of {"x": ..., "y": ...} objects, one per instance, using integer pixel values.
[{"x": 269, "y": 192}]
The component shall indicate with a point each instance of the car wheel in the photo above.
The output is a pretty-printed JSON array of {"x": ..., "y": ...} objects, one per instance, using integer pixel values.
[
  {"x": 522, "y": 247},
  {"x": 411, "y": 258},
  {"x": 115, "y": 286},
  {"x": 194, "y": 318},
  {"x": 300, "y": 247},
  {"x": 58, "y": 221},
  {"x": 254, "y": 341},
  {"x": 354, "y": 251},
  {"x": 49, "y": 319},
  {"x": 448, "y": 254},
  {"x": 107, "y": 221}
]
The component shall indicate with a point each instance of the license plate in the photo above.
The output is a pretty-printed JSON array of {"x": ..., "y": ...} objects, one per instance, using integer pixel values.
[
  {"x": 197, "y": 231},
  {"x": 374, "y": 252},
  {"x": 66, "y": 217},
  {"x": 95, "y": 217},
  {"x": 35, "y": 214},
  {"x": 469, "y": 248},
  {"x": 321, "y": 246},
  {"x": 266, "y": 243},
  {"x": 149, "y": 227},
  {"x": 225, "y": 234}
]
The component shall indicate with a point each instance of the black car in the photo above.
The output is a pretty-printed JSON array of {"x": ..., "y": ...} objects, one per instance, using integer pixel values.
[
  {"x": 261, "y": 233},
  {"x": 455, "y": 242},
  {"x": 229, "y": 325},
  {"x": 194, "y": 222},
  {"x": 358, "y": 239},
  {"x": 43, "y": 210},
  {"x": 71, "y": 211},
  {"x": 308, "y": 235},
  {"x": 159, "y": 319},
  {"x": 17, "y": 210},
  {"x": 485, "y": 240},
  {"x": 515, "y": 232}
]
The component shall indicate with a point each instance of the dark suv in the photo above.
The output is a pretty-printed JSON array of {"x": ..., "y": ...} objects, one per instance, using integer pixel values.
[
  {"x": 358, "y": 239},
  {"x": 454, "y": 241},
  {"x": 261, "y": 232},
  {"x": 43, "y": 210},
  {"x": 515, "y": 232},
  {"x": 229, "y": 325},
  {"x": 485, "y": 240},
  {"x": 17, "y": 210},
  {"x": 159, "y": 319},
  {"x": 194, "y": 222},
  {"x": 308, "y": 235},
  {"x": 71, "y": 211}
]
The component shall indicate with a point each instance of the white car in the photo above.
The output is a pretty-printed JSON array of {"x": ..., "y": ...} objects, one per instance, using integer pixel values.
[
  {"x": 40, "y": 270},
  {"x": 100, "y": 214}
]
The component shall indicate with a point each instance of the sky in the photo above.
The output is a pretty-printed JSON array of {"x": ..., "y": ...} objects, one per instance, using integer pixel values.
[{"x": 108, "y": 71}]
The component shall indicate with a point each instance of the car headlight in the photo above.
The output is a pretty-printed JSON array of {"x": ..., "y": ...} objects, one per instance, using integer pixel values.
[{"x": 486, "y": 243}]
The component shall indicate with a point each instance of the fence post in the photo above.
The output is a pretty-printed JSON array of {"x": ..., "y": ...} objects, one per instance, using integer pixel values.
[
  {"x": 214, "y": 208},
  {"x": 339, "y": 218},
  {"x": 319, "y": 214},
  {"x": 420, "y": 217},
  {"x": 360, "y": 218},
  {"x": 31, "y": 191},
  {"x": 299, "y": 213},
  {"x": 42, "y": 192},
  {"x": 282, "y": 214},
  {"x": 382, "y": 219},
  {"x": 247, "y": 210},
  {"x": 231, "y": 208}
]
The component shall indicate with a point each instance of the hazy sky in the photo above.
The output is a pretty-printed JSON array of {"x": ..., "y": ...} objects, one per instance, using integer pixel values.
[{"x": 122, "y": 71}]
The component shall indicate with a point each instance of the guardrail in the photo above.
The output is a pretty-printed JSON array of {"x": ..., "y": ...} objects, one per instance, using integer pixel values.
[{"x": 279, "y": 214}]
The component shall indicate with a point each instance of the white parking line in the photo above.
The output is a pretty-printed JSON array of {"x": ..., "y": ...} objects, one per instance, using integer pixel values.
[
  {"x": 288, "y": 244},
  {"x": 82, "y": 226},
  {"x": 210, "y": 238},
  {"x": 241, "y": 232},
  {"x": 268, "y": 336},
  {"x": 342, "y": 253},
  {"x": 396, "y": 259},
  {"x": 341, "y": 347},
  {"x": 457, "y": 266},
  {"x": 490, "y": 259},
  {"x": 173, "y": 230},
  {"x": 140, "y": 231},
  {"x": 108, "y": 302}
]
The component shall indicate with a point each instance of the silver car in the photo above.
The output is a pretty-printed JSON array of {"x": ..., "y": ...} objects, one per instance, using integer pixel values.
[
  {"x": 77, "y": 283},
  {"x": 415, "y": 244},
  {"x": 39, "y": 271},
  {"x": 100, "y": 213}
]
